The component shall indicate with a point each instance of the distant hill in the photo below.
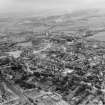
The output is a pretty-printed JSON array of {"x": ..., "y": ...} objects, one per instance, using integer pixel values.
[
  {"x": 53, "y": 21},
  {"x": 42, "y": 13}
]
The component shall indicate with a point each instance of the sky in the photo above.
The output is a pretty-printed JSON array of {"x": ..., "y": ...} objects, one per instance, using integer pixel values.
[{"x": 7, "y": 6}]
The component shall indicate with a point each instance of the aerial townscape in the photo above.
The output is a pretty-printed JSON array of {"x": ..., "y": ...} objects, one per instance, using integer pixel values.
[{"x": 53, "y": 60}]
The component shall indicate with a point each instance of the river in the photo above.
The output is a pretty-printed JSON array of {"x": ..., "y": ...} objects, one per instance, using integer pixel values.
[{"x": 100, "y": 36}]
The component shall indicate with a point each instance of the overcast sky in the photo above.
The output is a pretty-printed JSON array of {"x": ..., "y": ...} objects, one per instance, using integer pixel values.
[{"x": 37, "y": 5}]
